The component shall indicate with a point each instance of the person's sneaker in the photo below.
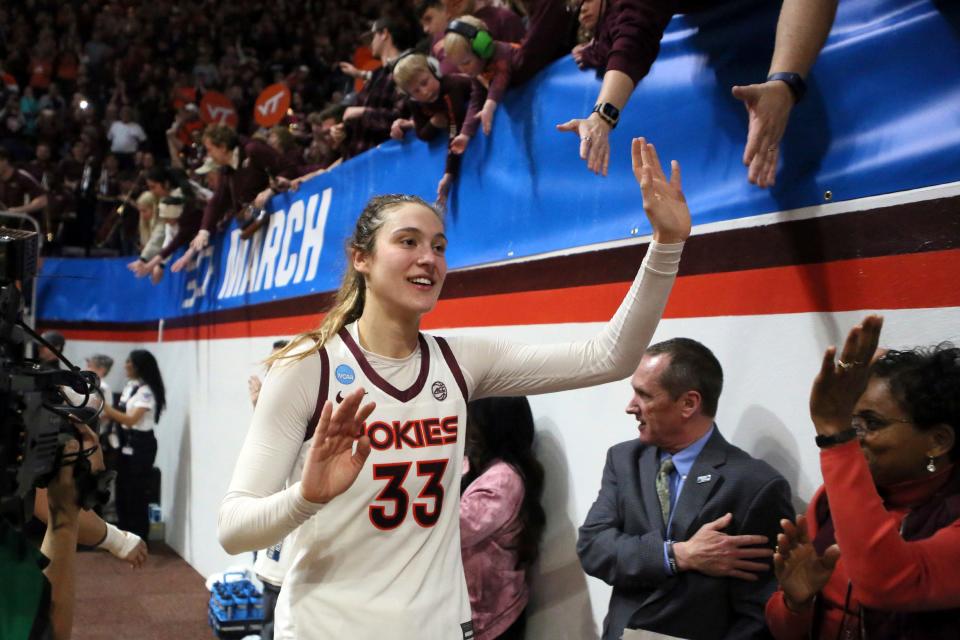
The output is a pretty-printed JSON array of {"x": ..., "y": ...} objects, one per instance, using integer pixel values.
[{"x": 254, "y": 224}]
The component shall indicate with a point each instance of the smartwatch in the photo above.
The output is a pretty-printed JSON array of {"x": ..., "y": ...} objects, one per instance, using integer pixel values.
[{"x": 608, "y": 112}]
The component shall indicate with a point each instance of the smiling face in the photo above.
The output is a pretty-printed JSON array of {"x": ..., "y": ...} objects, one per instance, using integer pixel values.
[
  {"x": 895, "y": 448},
  {"x": 661, "y": 417},
  {"x": 423, "y": 87},
  {"x": 406, "y": 270}
]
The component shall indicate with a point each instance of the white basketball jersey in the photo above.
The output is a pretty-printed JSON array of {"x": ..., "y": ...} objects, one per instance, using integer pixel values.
[{"x": 382, "y": 560}]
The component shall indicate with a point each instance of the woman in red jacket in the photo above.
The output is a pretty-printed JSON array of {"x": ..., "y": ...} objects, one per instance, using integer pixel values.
[{"x": 876, "y": 555}]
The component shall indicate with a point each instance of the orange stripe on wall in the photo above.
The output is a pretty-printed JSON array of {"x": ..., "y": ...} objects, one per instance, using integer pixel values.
[{"x": 913, "y": 281}]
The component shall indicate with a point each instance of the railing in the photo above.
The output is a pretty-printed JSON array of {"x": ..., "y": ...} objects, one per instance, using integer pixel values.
[{"x": 30, "y": 313}]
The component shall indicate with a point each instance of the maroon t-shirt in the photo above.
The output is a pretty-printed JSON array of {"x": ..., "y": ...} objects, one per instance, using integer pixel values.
[{"x": 19, "y": 189}]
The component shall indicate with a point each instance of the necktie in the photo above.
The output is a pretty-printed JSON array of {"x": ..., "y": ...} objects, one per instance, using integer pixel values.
[{"x": 663, "y": 487}]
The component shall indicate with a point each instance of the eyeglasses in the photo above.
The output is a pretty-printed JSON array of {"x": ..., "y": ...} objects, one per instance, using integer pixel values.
[{"x": 865, "y": 423}]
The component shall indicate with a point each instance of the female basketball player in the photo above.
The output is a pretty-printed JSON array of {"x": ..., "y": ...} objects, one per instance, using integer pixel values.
[{"x": 375, "y": 544}]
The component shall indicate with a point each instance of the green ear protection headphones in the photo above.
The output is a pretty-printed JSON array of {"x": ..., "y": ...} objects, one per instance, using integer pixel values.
[{"x": 481, "y": 42}]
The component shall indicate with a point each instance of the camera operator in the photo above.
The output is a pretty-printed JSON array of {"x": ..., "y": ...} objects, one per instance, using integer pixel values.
[{"x": 35, "y": 603}]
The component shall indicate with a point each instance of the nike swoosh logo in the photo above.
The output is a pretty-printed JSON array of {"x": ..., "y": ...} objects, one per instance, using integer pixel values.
[{"x": 339, "y": 397}]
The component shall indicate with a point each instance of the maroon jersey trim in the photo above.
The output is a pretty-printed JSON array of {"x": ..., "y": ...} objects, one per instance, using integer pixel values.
[
  {"x": 402, "y": 395},
  {"x": 322, "y": 393},
  {"x": 454, "y": 366}
]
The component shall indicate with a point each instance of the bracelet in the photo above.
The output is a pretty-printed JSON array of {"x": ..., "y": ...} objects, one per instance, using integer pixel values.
[{"x": 837, "y": 438}]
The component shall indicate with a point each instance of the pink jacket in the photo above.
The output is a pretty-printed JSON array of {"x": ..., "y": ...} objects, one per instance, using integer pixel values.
[{"x": 488, "y": 531}]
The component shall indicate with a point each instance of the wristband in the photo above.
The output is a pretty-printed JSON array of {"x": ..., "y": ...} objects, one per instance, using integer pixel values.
[
  {"x": 836, "y": 438},
  {"x": 798, "y": 87},
  {"x": 118, "y": 542},
  {"x": 672, "y": 558}
]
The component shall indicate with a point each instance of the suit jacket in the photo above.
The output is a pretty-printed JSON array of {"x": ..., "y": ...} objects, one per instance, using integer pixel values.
[{"x": 621, "y": 541}]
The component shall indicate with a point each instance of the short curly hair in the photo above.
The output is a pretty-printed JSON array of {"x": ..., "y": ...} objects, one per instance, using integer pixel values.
[{"x": 925, "y": 381}]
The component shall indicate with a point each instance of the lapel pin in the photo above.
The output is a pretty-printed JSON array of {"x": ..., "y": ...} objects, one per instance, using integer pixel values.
[{"x": 702, "y": 479}]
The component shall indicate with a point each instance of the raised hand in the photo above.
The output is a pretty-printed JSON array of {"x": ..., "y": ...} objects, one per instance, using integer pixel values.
[
  {"x": 838, "y": 385},
  {"x": 663, "y": 200},
  {"x": 594, "y": 141},
  {"x": 712, "y": 552},
  {"x": 768, "y": 106},
  {"x": 799, "y": 570},
  {"x": 332, "y": 465}
]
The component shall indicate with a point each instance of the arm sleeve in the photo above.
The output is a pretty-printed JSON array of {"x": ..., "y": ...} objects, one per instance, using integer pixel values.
[
  {"x": 595, "y": 55},
  {"x": 143, "y": 399},
  {"x": 421, "y": 123},
  {"x": 217, "y": 205},
  {"x": 606, "y": 552},
  {"x": 771, "y": 505},
  {"x": 478, "y": 94},
  {"x": 501, "y": 368},
  {"x": 915, "y": 575},
  {"x": 155, "y": 241},
  {"x": 257, "y": 511},
  {"x": 636, "y": 28},
  {"x": 501, "y": 75},
  {"x": 489, "y": 504}
]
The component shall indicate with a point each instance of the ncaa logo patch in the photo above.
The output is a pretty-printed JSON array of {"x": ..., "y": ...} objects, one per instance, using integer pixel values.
[
  {"x": 439, "y": 390},
  {"x": 345, "y": 374}
]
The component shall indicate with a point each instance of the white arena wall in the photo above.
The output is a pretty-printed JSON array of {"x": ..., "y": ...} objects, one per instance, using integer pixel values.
[{"x": 769, "y": 363}]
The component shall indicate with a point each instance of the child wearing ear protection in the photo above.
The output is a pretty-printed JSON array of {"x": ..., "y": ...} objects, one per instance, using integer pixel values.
[
  {"x": 495, "y": 66},
  {"x": 438, "y": 104}
]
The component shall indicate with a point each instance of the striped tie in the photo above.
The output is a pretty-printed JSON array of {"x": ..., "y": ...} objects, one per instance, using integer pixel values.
[{"x": 663, "y": 487}]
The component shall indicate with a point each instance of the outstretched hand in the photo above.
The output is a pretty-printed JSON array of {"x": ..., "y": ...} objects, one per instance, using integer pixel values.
[
  {"x": 799, "y": 570},
  {"x": 459, "y": 144},
  {"x": 332, "y": 465},
  {"x": 768, "y": 106},
  {"x": 839, "y": 385},
  {"x": 443, "y": 190},
  {"x": 663, "y": 200},
  {"x": 594, "y": 141},
  {"x": 184, "y": 260}
]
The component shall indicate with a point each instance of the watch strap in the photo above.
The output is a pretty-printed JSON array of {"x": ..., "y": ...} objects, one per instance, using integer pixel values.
[
  {"x": 836, "y": 438},
  {"x": 798, "y": 86},
  {"x": 608, "y": 113}
]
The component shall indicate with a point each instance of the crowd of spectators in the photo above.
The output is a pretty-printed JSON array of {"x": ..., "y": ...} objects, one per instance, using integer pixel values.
[{"x": 96, "y": 95}]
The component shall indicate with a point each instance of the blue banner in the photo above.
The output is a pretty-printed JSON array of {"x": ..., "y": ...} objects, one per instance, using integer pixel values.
[{"x": 882, "y": 114}]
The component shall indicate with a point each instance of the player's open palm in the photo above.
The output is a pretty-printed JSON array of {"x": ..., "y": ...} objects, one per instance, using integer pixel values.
[
  {"x": 332, "y": 465},
  {"x": 663, "y": 199}
]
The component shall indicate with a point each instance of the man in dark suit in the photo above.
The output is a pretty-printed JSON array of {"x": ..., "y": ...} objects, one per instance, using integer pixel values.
[{"x": 684, "y": 523}]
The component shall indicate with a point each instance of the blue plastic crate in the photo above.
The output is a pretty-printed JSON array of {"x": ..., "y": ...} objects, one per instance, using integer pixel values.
[{"x": 236, "y": 607}]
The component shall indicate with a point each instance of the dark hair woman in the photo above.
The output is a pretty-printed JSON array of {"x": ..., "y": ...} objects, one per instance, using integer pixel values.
[
  {"x": 501, "y": 518},
  {"x": 141, "y": 404},
  {"x": 878, "y": 561}
]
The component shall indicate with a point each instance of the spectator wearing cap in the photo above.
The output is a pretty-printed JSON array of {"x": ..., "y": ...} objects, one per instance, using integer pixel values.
[
  {"x": 179, "y": 211},
  {"x": 48, "y": 359},
  {"x": 378, "y": 104}
]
